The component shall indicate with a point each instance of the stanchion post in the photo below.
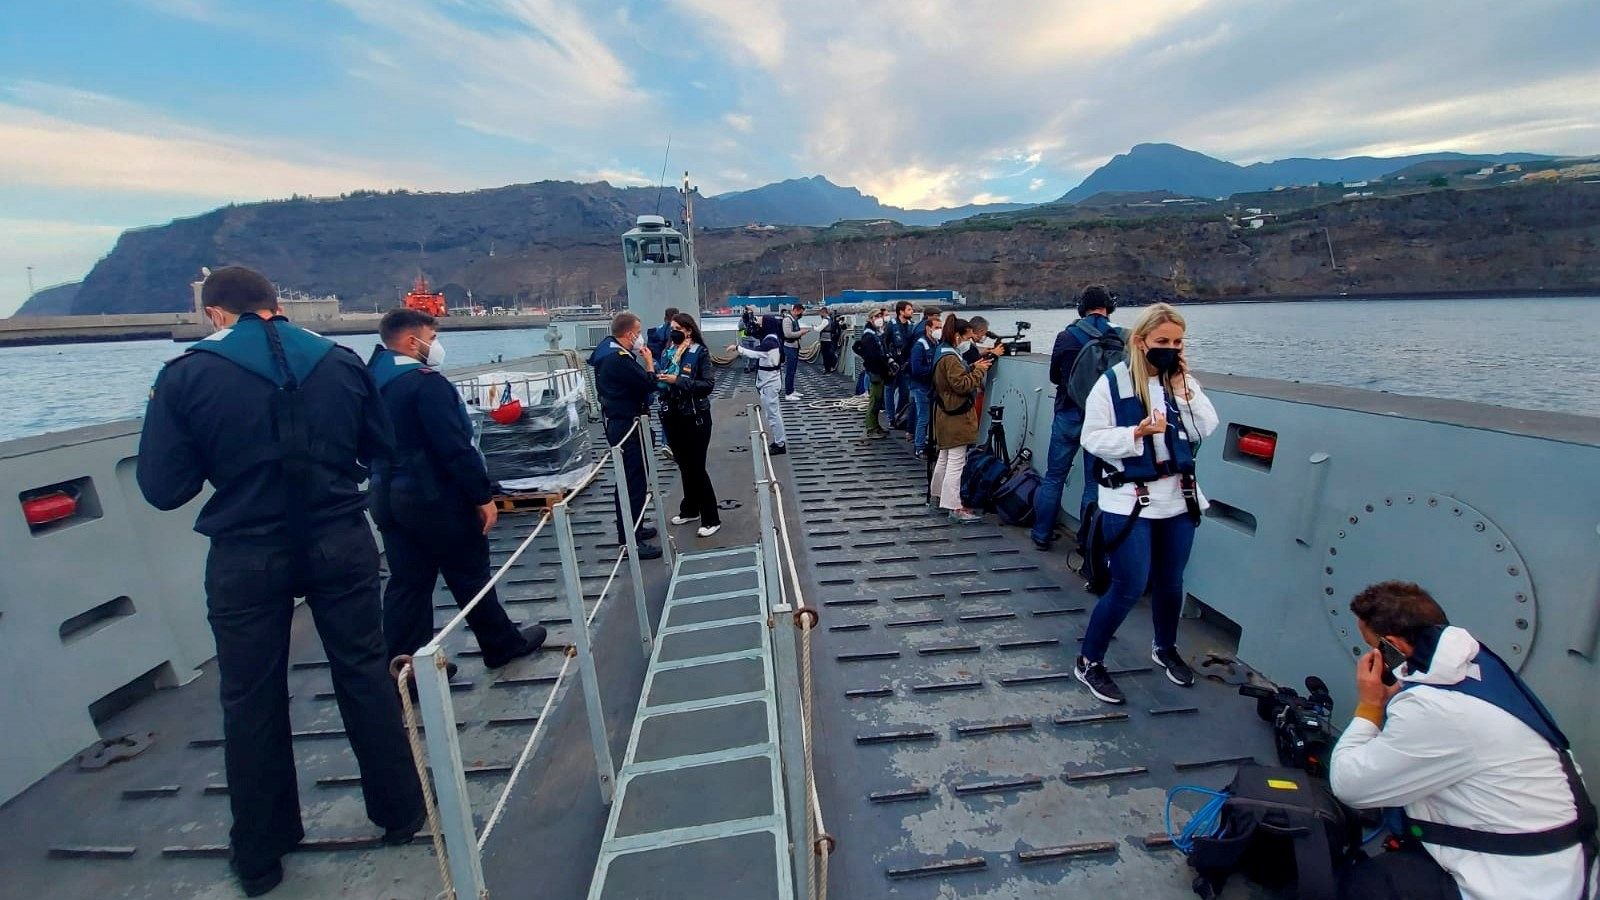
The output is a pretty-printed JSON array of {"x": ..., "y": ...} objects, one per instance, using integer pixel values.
[
  {"x": 580, "y": 643},
  {"x": 631, "y": 539},
  {"x": 668, "y": 552},
  {"x": 449, "y": 777},
  {"x": 785, "y": 672}
]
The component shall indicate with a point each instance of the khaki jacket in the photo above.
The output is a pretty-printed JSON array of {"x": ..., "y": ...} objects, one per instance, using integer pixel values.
[{"x": 953, "y": 383}]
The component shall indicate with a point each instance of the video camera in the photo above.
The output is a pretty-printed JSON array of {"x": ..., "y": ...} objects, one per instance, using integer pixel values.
[
  {"x": 1302, "y": 727},
  {"x": 1016, "y": 343}
]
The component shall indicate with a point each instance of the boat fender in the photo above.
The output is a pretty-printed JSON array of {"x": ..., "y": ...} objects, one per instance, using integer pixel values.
[
  {"x": 52, "y": 507},
  {"x": 1259, "y": 445}
]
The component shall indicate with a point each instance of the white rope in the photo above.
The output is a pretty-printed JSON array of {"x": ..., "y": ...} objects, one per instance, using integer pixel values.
[
  {"x": 819, "y": 844},
  {"x": 527, "y": 752},
  {"x": 420, "y": 760},
  {"x": 461, "y": 616}
]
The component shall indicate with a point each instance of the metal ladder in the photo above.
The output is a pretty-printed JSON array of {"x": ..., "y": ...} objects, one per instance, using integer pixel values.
[{"x": 700, "y": 807}]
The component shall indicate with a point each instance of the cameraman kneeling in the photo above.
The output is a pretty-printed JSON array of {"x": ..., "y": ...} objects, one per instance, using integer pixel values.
[{"x": 1471, "y": 755}]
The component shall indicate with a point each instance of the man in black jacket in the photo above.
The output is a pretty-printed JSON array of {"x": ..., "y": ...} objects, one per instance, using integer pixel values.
[
  {"x": 625, "y": 385},
  {"x": 432, "y": 500},
  {"x": 1094, "y": 308},
  {"x": 875, "y": 361},
  {"x": 282, "y": 423}
]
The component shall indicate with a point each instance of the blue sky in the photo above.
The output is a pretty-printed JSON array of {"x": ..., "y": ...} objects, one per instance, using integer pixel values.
[{"x": 121, "y": 113}]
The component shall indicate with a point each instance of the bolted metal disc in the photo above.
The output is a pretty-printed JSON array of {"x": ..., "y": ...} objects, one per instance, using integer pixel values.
[{"x": 1453, "y": 551}]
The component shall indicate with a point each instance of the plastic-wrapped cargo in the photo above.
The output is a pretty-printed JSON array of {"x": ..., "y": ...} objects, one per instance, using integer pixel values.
[{"x": 534, "y": 435}]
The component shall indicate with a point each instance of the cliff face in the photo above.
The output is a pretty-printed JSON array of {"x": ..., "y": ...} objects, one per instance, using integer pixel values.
[
  {"x": 1517, "y": 238},
  {"x": 557, "y": 243}
]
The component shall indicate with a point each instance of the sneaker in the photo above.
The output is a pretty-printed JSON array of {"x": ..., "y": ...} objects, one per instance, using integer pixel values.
[
  {"x": 777, "y": 449},
  {"x": 966, "y": 516},
  {"x": 1043, "y": 546},
  {"x": 708, "y": 530},
  {"x": 532, "y": 639},
  {"x": 684, "y": 520},
  {"x": 649, "y": 551},
  {"x": 1178, "y": 671},
  {"x": 645, "y": 532},
  {"x": 1095, "y": 677},
  {"x": 793, "y": 396},
  {"x": 665, "y": 453},
  {"x": 877, "y": 435}
]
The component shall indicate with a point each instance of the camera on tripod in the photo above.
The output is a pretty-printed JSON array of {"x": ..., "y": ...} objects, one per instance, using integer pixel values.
[{"x": 1302, "y": 727}]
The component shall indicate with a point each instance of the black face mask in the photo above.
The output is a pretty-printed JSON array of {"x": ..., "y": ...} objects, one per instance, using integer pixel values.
[
  {"x": 679, "y": 337},
  {"x": 1163, "y": 359}
]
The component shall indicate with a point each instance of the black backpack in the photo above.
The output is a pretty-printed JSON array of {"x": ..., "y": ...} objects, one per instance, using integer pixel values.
[
  {"x": 1100, "y": 351},
  {"x": 1095, "y": 546},
  {"x": 1013, "y": 499},
  {"x": 1277, "y": 827}
]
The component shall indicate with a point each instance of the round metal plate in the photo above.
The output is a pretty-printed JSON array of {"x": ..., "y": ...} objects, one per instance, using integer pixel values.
[{"x": 1460, "y": 557}]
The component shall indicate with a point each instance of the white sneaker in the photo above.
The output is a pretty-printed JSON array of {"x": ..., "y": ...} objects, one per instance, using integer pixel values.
[
  {"x": 684, "y": 520},
  {"x": 793, "y": 396},
  {"x": 708, "y": 530}
]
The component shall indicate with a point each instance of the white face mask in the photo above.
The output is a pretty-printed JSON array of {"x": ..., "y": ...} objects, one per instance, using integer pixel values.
[
  {"x": 876, "y": 323},
  {"x": 936, "y": 335},
  {"x": 638, "y": 341},
  {"x": 435, "y": 357},
  {"x": 965, "y": 346}
]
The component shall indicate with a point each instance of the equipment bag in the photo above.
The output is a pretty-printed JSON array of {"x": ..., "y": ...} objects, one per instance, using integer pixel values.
[
  {"x": 1095, "y": 546},
  {"x": 1101, "y": 350},
  {"x": 983, "y": 475},
  {"x": 1277, "y": 827},
  {"x": 1013, "y": 500}
]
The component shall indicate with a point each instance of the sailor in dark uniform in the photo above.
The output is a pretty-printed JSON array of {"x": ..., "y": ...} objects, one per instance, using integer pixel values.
[
  {"x": 281, "y": 422},
  {"x": 625, "y": 383},
  {"x": 432, "y": 500}
]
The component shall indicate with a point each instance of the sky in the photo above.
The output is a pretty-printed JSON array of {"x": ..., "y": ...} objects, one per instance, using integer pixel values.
[{"x": 124, "y": 113}]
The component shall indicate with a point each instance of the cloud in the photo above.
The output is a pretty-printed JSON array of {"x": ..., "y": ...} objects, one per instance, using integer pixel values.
[
  {"x": 94, "y": 141},
  {"x": 739, "y": 122},
  {"x": 538, "y": 71},
  {"x": 929, "y": 101},
  {"x": 617, "y": 177},
  {"x": 1035, "y": 184}
]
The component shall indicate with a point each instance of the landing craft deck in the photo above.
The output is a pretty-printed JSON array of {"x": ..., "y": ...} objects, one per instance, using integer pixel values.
[{"x": 955, "y": 755}]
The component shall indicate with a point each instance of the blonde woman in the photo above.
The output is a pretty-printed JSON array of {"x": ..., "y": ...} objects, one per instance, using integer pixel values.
[
  {"x": 955, "y": 417},
  {"x": 1142, "y": 424}
]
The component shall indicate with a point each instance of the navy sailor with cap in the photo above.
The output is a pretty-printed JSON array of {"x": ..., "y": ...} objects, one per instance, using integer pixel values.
[
  {"x": 432, "y": 499},
  {"x": 282, "y": 422}
]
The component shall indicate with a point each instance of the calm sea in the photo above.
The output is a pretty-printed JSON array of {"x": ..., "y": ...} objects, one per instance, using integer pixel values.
[{"x": 1527, "y": 353}]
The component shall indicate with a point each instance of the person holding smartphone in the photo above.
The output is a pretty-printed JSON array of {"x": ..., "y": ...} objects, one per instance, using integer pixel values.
[
  {"x": 686, "y": 418},
  {"x": 1142, "y": 425}
]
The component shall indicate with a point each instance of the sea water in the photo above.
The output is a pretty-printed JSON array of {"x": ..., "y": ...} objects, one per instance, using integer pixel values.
[{"x": 1529, "y": 353}]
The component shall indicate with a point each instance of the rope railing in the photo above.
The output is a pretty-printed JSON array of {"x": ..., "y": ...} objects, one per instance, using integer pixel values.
[
  {"x": 449, "y": 815},
  {"x": 792, "y": 604}
]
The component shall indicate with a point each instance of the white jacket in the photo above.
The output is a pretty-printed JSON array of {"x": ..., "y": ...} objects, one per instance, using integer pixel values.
[
  {"x": 772, "y": 358},
  {"x": 1457, "y": 760},
  {"x": 1102, "y": 437}
]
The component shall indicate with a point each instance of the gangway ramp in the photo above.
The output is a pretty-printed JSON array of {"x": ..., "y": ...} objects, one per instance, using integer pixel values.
[{"x": 700, "y": 808}]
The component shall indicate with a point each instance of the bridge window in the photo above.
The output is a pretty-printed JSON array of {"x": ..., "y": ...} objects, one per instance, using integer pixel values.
[
  {"x": 674, "y": 250},
  {"x": 630, "y": 249}
]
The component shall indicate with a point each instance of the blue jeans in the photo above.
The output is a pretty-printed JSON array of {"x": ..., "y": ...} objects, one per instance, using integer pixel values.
[
  {"x": 922, "y": 415},
  {"x": 1064, "y": 433},
  {"x": 1155, "y": 553},
  {"x": 791, "y": 362}
]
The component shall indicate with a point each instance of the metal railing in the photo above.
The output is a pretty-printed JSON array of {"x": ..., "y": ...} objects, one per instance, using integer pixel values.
[
  {"x": 792, "y": 620},
  {"x": 456, "y": 843}
]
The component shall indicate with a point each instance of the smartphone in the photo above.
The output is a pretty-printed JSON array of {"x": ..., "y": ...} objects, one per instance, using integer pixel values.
[{"x": 1392, "y": 659}]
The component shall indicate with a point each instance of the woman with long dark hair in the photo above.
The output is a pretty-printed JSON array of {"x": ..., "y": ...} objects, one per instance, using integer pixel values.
[
  {"x": 686, "y": 419},
  {"x": 955, "y": 415},
  {"x": 1142, "y": 424}
]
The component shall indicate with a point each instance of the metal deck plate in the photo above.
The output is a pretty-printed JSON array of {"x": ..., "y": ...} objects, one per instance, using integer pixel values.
[{"x": 956, "y": 754}]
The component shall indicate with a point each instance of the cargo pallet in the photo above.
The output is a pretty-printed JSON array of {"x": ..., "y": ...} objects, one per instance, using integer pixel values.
[{"x": 528, "y": 501}]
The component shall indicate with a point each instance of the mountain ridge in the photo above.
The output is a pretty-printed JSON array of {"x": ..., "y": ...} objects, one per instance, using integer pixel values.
[{"x": 1159, "y": 166}]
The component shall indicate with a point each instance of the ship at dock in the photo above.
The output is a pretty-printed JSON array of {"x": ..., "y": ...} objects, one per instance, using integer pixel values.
[{"x": 838, "y": 694}]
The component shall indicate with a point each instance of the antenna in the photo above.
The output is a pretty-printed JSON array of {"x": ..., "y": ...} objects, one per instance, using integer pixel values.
[
  {"x": 30, "y": 281},
  {"x": 662, "y": 181}
]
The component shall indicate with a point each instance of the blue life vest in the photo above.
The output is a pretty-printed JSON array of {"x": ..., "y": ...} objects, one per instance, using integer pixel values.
[
  {"x": 248, "y": 345},
  {"x": 1503, "y": 689},
  {"x": 768, "y": 344},
  {"x": 284, "y": 355},
  {"x": 1130, "y": 412}
]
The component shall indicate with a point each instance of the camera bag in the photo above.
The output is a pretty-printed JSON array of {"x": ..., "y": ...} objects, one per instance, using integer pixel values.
[{"x": 1278, "y": 827}]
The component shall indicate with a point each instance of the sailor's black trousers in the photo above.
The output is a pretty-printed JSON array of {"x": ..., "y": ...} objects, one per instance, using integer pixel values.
[{"x": 250, "y": 589}]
